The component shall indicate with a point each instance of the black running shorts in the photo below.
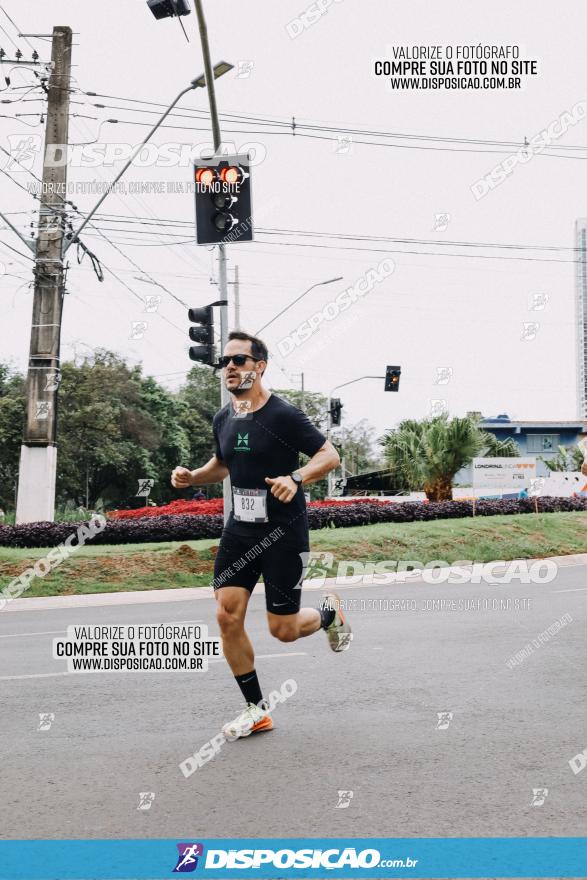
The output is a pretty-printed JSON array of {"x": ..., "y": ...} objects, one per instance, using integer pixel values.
[{"x": 240, "y": 562}]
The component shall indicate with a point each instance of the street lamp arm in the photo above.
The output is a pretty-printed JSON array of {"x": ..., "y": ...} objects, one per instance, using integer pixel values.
[
  {"x": 344, "y": 384},
  {"x": 193, "y": 85},
  {"x": 297, "y": 299}
]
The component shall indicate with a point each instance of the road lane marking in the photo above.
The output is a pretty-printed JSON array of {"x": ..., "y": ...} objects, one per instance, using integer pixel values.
[{"x": 576, "y": 590}]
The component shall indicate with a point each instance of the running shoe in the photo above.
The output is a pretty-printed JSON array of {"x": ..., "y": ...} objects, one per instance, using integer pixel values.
[
  {"x": 251, "y": 720},
  {"x": 339, "y": 632}
]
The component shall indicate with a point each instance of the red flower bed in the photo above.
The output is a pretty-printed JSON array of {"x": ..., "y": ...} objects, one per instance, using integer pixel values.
[
  {"x": 174, "y": 508},
  {"x": 213, "y": 506}
]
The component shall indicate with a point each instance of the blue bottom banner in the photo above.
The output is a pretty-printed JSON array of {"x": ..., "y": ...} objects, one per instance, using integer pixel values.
[{"x": 294, "y": 857}]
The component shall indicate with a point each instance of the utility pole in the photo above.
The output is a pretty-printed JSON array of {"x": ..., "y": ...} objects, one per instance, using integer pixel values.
[
  {"x": 38, "y": 454},
  {"x": 303, "y": 401},
  {"x": 222, "y": 280},
  {"x": 237, "y": 301}
]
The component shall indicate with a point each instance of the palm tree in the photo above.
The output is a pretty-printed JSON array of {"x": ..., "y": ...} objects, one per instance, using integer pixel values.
[
  {"x": 566, "y": 460},
  {"x": 495, "y": 448},
  {"x": 425, "y": 455}
]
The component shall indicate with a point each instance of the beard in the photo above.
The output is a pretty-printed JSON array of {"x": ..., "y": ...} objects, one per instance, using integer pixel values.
[{"x": 246, "y": 382}]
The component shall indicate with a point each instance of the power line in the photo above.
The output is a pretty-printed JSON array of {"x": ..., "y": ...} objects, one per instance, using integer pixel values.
[
  {"x": 17, "y": 29},
  {"x": 25, "y": 256},
  {"x": 9, "y": 37},
  {"x": 132, "y": 262},
  {"x": 353, "y": 238},
  {"x": 385, "y": 238},
  {"x": 158, "y": 221},
  {"x": 188, "y": 259},
  {"x": 99, "y": 231},
  {"x": 418, "y": 252},
  {"x": 297, "y": 128},
  {"x": 370, "y": 143}
]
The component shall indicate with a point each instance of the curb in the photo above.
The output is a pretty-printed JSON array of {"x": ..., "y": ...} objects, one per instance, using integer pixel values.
[{"x": 186, "y": 594}]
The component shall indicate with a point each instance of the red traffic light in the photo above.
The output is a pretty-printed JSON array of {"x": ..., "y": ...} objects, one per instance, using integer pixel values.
[
  {"x": 206, "y": 176},
  {"x": 232, "y": 175}
]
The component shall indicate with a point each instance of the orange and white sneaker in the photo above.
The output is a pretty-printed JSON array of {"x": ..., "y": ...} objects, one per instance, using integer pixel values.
[
  {"x": 339, "y": 632},
  {"x": 251, "y": 720}
]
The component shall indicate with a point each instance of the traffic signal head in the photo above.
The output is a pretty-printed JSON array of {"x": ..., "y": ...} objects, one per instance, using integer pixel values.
[
  {"x": 168, "y": 8},
  {"x": 392, "y": 376},
  {"x": 204, "y": 334},
  {"x": 223, "y": 200},
  {"x": 335, "y": 410}
]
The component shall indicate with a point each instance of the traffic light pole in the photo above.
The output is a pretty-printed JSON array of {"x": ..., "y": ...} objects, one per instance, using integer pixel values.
[
  {"x": 222, "y": 279},
  {"x": 336, "y": 387},
  {"x": 38, "y": 454}
]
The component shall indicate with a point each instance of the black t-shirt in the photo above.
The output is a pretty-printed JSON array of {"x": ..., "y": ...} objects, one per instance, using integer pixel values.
[{"x": 265, "y": 443}]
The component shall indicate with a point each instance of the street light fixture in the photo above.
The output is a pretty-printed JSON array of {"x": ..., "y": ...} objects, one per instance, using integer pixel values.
[{"x": 219, "y": 69}]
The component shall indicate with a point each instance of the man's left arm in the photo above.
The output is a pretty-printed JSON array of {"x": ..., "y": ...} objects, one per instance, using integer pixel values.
[{"x": 326, "y": 459}]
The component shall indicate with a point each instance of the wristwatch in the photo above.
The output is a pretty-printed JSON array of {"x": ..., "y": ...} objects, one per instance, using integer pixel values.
[{"x": 297, "y": 478}]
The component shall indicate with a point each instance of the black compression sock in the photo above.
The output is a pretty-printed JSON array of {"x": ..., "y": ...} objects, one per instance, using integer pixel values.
[
  {"x": 250, "y": 688},
  {"x": 327, "y": 615}
]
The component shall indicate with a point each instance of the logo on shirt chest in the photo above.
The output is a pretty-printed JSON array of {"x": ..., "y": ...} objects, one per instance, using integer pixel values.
[{"x": 242, "y": 443}]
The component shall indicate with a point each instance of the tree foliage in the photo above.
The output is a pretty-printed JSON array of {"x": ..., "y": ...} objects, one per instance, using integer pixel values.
[
  {"x": 115, "y": 428},
  {"x": 425, "y": 455},
  {"x": 565, "y": 460}
]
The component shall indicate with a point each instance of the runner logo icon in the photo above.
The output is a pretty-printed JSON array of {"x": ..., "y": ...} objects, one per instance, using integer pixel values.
[{"x": 187, "y": 860}]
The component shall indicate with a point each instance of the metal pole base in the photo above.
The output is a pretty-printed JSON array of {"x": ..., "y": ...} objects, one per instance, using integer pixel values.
[{"x": 36, "y": 484}]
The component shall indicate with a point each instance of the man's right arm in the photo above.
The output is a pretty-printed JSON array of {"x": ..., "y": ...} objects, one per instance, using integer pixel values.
[{"x": 214, "y": 471}]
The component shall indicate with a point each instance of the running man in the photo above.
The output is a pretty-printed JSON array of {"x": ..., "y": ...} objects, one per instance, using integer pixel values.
[{"x": 258, "y": 438}]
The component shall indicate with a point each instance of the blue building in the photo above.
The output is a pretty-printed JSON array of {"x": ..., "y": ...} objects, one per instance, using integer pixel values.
[{"x": 540, "y": 439}]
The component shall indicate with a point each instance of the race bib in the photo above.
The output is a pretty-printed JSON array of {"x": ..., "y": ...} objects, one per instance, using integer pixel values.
[{"x": 250, "y": 505}]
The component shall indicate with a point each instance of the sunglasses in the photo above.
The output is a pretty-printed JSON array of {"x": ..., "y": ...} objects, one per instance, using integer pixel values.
[{"x": 239, "y": 360}]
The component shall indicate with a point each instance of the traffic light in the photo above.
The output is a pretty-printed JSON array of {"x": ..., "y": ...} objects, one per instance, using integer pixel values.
[
  {"x": 168, "y": 8},
  {"x": 392, "y": 375},
  {"x": 204, "y": 334},
  {"x": 335, "y": 411},
  {"x": 223, "y": 200}
]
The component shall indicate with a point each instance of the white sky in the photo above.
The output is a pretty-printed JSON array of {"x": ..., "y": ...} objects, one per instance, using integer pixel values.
[{"x": 465, "y": 313}]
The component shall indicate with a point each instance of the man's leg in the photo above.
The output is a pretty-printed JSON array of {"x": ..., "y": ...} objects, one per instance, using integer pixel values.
[
  {"x": 283, "y": 572},
  {"x": 289, "y": 627},
  {"x": 231, "y": 608}
]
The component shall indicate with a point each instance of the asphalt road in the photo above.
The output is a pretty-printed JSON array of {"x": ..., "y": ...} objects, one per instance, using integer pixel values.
[{"x": 365, "y": 722}]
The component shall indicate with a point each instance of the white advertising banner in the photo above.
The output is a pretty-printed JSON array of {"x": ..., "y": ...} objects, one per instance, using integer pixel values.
[
  {"x": 503, "y": 474},
  {"x": 560, "y": 484}
]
